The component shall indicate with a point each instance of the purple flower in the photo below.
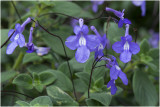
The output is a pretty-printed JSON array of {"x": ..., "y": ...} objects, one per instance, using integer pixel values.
[
  {"x": 111, "y": 84},
  {"x": 115, "y": 72},
  {"x": 103, "y": 42},
  {"x": 17, "y": 38},
  {"x": 121, "y": 16},
  {"x": 83, "y": 42},
  {"x": 126, "y": 47},
  {"x": 30, "y": 45},
  {"x": 95, "y": 5},
  {"x": 41, "y": 50},
  {"x": 154, "y": 40},
  {"x": 141, "y": 3}
]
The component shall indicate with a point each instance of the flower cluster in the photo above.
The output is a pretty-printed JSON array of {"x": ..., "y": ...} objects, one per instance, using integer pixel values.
[
  {"x": 126, "y": 47},
  {"x": 18, "y": 39},
  {"x": 85, "y": 43}
]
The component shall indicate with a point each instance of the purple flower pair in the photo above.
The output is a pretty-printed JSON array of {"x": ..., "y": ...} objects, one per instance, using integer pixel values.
[
  {"x": 126, "y": 47},
  {"x": 31, "y": 47},
  {"x": 17, "y": 38},
  {"x": 121, "y": 16},
  {"x": 115, "y": 72},
  {"x": 83, "y": 42}
]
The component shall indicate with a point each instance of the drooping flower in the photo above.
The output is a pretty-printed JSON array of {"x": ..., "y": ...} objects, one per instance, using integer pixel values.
[
  {"x": 41, "y": 50},
  {"x": 103, "y": 42},
  {"x": 154, "y": 40},
  {"x": 126, "y": 47},
  {"x": 141, "y": 3},
  {"x": 111, "y": 84},
  {"x": 17, "y": 38},
  {"x": 81, "y": 41},
  {"x": 115, "y": 72},
  {"x": 95, "y": 5},
  {"x": 30, "y": 45},
  {"x": 121, "y": 16}
]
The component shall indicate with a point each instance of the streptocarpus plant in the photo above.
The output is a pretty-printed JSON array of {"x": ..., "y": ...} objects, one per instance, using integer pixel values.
[{"x": 77, "y": 69}]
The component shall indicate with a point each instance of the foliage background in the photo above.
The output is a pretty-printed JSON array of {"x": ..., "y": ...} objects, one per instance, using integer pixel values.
[{"x": 47, "y": 76}]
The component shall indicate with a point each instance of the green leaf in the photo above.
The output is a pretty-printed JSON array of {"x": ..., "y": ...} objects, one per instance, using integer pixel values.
[
  {"x": 91, "y": 102},
  {"x": 71, "y": 9},
  {"x": 77, "y": 66},
  {"x": 144, "y": 46},
  {"x": 37, "y": 83},
  {"x": 64, "y": 68},
  {"x": 154, "y": 53},
  {"x": 152, "y": 66},
  {"x": 4, "y": 57},
  {"x": 62, "y": 81},
  {"x": 22, "y": 103},
  {"x": 80, "y": 86},
  {"x": 144, "y": 90},
  {"x": 55, "y": 43},
  {"x": 39, "y": 87},
  {"x": 114, "y": 33},
  {"x": 85, "y": 77},
  {"x": 23, "y": 80},
  {"x": 104, "y": 98},
  {"x": 4, "y": 35},
  {"x": 37, "y": 68},
  {"x": 7, "y": 75},
  {"x": 99, "y": 82},
  {"x": 41, "y": 101},
  {"x": 46, "y": 78},
  {"x": 30, "y": 57},
  {"x": 59, "y": 97},
  {"x": 145, "y": 58}
]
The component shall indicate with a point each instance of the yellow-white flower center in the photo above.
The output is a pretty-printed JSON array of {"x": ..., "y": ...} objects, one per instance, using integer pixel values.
[
  {"x": 82, "y": 41},
  {"x": 117, "y": 67},
  {"x": 100, "y": 47},
  {"x": 126, "y": 46},
  {"x": 16, "y": 37}
]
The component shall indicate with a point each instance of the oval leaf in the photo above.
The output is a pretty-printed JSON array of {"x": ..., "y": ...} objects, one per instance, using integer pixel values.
[
  {"x": 144, "y": 90},
  {"x": 23, "y": 80},
  {"x": 59, "y": 97}
]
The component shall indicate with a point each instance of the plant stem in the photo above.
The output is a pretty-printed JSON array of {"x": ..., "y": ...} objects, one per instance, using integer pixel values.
[
  {"x": 64, "y": 52},
  {"x": 18, "y": 60},
  {"x": 90, "y": 80}
]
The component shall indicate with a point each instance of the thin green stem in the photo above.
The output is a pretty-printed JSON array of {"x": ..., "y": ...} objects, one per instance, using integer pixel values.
[{"x": 18, "y": 60}]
